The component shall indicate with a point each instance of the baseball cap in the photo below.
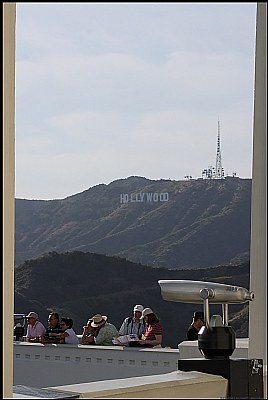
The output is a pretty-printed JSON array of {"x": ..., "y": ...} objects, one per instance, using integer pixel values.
[
  {"x": 147, "y": 311},
  {"x": 32, "y": 314},
  {"x": 138, "y": 307}
]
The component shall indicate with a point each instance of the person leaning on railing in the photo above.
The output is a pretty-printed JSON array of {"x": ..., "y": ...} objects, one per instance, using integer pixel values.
[
  {"x": 88, "y": 333},
  {"x": 53, "y": 326},
  {"x": 68, "y": 335},
  {"x": 35, "y": 328},
  {"x": 134, "y": 324},
  {"x": 154, "y": 332},
  {"x": 103, "y": 334}
]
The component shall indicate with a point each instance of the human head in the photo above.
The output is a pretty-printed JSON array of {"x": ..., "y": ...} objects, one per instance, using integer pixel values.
[
  {"x": 198, "y": 319},
  {"x": 149, "y": 316},
  {"x": 66, "y": 323},
  {"x": 89, "y": 328},
  {"x": 137, "y": 311},
  {"x": 53, "y": 319},
  {"x": 98, "y": 320},
  {"x": 32, "y": 317},
  {"x": 146, "y": 311},
  {"x": 198, "y": 315}
]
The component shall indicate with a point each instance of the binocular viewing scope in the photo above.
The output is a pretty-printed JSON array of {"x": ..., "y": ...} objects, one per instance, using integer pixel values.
[{"x": 216, "y": 339}]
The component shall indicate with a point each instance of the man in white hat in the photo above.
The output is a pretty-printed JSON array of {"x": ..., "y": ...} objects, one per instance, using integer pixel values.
[
  {"x": 35, "y": 328},
  {"x": 133, "y": 324}
]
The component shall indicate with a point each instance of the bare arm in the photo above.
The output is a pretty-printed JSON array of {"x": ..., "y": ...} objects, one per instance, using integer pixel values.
[
  {"x": 35, "y": 339},
  {"x": 154, "y": 342},
  {"x": 61, "y": 335}
]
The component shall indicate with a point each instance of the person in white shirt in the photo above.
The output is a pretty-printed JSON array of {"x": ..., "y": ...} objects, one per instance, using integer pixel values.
[
  {"x": 68, "y": 335},
  {"x": 134, "y": 324}
]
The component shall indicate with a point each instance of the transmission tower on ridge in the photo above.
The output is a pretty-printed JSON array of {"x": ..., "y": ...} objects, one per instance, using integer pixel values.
[
  {"x": 216, "y": 172},
  {"x": 219, "y": 171}
]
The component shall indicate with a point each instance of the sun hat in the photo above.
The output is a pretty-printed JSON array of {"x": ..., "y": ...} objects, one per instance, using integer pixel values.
[
  {"x": 146, "y": 311},
  {"x": 138, "y": 307},
  {"x": 98, "y": 320},
  {"x": 32, "y": 314}
]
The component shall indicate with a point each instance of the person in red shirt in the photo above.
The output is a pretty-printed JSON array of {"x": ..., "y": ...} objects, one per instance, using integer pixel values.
[{"x": 154, "y": 332}]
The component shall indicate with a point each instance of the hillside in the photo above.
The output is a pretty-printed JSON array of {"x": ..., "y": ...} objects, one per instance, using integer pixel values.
[
  {"x": 81, "y": 284},
  {"x": 162, "y": 223}
]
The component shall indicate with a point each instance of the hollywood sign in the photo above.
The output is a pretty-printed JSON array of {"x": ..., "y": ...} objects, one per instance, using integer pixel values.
[{"x": 143, "y": 197}]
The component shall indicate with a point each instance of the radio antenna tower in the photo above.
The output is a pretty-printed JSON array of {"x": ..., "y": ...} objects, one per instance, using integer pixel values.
[{"x": 219, "y": 171}]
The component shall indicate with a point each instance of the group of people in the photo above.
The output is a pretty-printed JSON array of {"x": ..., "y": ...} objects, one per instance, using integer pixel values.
[
  {"x": 56, "y": 332},
  {"x": 144, "y": 323}
]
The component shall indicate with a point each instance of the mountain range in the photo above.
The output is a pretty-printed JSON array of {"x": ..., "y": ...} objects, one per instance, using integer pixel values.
[{"x": 186, "y": 224}]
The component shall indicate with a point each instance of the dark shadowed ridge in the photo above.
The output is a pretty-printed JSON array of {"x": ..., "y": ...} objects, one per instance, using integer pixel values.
[{"x": 79, "y": 285}]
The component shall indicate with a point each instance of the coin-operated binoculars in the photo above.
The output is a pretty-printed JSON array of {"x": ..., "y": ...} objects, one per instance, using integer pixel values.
[
  {"x": 19, "y": 326},
  {"x": 216, "y": 339}
]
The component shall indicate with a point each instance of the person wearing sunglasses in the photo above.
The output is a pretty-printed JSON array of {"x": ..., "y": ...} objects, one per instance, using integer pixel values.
[
  {"x": 68, "y": 336},
  {"x": 53, "y": 326}
]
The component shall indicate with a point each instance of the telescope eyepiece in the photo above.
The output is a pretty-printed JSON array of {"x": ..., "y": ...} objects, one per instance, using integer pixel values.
[
  {"x": 207, "y": 293},
  {"x": 251, "y": 296}
]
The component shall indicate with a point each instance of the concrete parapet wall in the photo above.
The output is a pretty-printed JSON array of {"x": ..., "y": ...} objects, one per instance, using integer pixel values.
[
  {"x": 53, "y": 364},
  {"x": 124, "y": 372},
  {"x": 177, "y": 384},
  {"x": 117, "y": 372}
]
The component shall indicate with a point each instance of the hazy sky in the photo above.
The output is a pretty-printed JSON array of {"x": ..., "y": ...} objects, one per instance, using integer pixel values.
[{"x": 107, "y": 90}]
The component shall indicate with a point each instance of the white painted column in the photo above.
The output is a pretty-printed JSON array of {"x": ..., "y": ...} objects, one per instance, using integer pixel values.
[
  {"x": 9, "y": 17},
  {"x": 258, "y": 259}
]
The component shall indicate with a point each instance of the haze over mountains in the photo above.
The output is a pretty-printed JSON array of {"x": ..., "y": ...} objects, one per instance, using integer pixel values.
[{"x": 161, "y": 223}]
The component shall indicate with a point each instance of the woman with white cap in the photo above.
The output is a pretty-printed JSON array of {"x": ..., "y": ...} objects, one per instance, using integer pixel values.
[{"x": 154, "y": 332}]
